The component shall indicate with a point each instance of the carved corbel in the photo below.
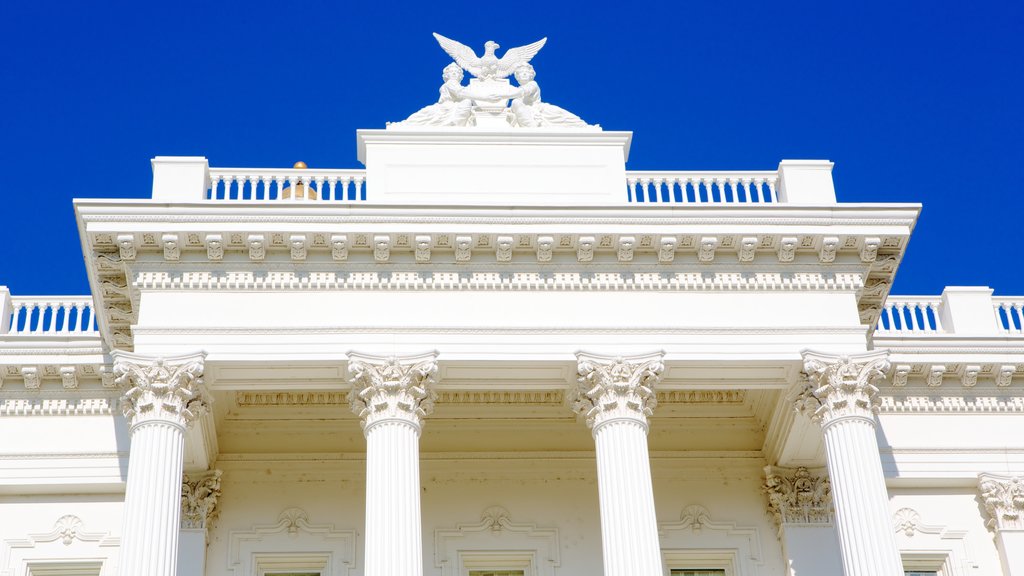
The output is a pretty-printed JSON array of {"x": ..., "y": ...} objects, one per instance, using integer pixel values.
[
  {"x": 585, "y": 249},
  {"x": 107, "y": 377},
  {"x": 31, "y": 376},
  {"x": 111, "y": 289},
  {"x": 798, "y": 496},
  {"x": 706, "y": 252},
  {"x": 667, "y": 249},
  {"x": 126, "y": 246},
  {"x": 257, "y": 247},
  {"x": 172, "y": 248},
  {"x": 1005, "y": 375},
  {"x": 935, "y": 374},
  {"x": 787, "y": 248},
  {"x": 298, "y": 244},
  {"x": 829, "y": 247},
  {"x": 625, "y": 248},
  {"x": 503, "y": 248},
  {"x": 1003, "y": 499},
  {"x": 382, "y": 248},
  {"x": 746, "y": 249},
  {"x": 423, "y": 246},
  {"x": 545, "y": 248},
  {"x": 900, "y": 374},
  {"x": 869, "y": 249},
  {"x": 69, "y": 377},
  {"x": 970, "y": 376},
  {"x": 339, "y": 247},
  {"x": 214, "y": 247},
  {"x": 463, "y": 248}
]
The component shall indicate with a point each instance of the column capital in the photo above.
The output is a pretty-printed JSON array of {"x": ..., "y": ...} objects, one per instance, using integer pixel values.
[
  {"x": 798, "y": 496},
  {"x": 161, "y": 389},
  {"x": 392, "y": 387},
  {"x": 1003, "y": 498},
  {"x": 617, "y": 387},
  {"x": 840, "y": 387},
  {"x": 199, "y": 495}
]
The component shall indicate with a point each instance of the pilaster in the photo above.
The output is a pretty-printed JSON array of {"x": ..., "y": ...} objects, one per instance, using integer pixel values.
[
  {"x": 391, "y": 396},
  {"x": 1003, "y": 500},
  {"x": 840, "y": 393},
  {"x": 800, "y": 502},
  {"x": 200, "y": 492},
  {"x": 615, "y": 396},
  {"x": 164, "y": 396}
]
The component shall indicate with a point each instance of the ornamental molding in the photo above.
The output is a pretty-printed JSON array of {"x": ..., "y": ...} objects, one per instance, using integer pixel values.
[
  {"x": 71, "y": 378},
  {"x": 967, "y": 376},
  {"x": 951, "y": 405},
  {"x": 200, "y": 493},
  {"x": 485, "y": 277},
  {"x": 248, "y": 399},
  {"x": 67, "y": 529},
  {"x": 697, "y": 330},
  {"x": 798, "y": 496},
  {"x": 293, "y": 532},
  {"x": 948, "y": 546},
  {"x": 57, "y": 406},
  {"x": 496, "y": 531},
  {"x": 696, "y": 529},
  {"x": 838, "y": 387},
  {"x": 390, "y": 388},
  {"x": 1003, "y": 500},
  {"x": 611, "y": 388},
  {"x": 161, "y": 389}
]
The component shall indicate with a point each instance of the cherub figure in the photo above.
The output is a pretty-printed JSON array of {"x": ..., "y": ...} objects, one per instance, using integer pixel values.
[
  {"x": 530, "y": 112},
  {"x": 453, "y": 107}
]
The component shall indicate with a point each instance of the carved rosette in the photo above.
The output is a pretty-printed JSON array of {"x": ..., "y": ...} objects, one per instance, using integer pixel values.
[
  {"x": 1003, "y": 498},
  {"x": 798, "y": 496},
  {"x": 161, "y": 389},
  {"x": 392, "y": 388},
  {"x": 199, "y": 495},
  {"x": 841, "y": 386},
  {"x": 616, "y": 387}
]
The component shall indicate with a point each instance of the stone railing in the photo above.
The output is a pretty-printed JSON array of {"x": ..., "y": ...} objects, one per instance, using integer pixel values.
[
  {"x": 1009, "y": 312},
  {"x": 702, "y": 187},
  {"x": 287, "y": 185},
  {"x": 959, "y": 311},
  {"x": 906, "y": 315},
  {"x": 47, "y": 316}
]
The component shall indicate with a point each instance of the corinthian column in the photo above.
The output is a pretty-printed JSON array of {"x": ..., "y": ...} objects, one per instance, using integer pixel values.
[
  {"x": 1003, "y": 497},
  {"x": 164, "y": 396},
  {"x": 615, "y": 396},
  {"x": 392, "y": 396},
  {"x": 841, "y": 395}
]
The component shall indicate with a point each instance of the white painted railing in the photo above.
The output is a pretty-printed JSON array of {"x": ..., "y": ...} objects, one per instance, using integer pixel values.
[
  {"x": 1009, "y": 314},
  {"x": 274, "y": 184},
  {"x": 910, "y": 315},
  {"x": 50, "y": 315},
  {"x": 702, "y": 187}
]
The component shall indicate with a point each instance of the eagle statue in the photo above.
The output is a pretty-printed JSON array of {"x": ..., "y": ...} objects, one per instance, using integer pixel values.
[{"x": 489, "y": 66}]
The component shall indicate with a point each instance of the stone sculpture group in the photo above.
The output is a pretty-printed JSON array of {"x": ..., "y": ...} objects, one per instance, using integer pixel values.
[{"x": 485, "y": 101}]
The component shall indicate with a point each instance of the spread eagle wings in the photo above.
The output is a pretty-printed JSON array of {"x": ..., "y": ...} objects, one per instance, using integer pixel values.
[{"x": 506, "y": 65}]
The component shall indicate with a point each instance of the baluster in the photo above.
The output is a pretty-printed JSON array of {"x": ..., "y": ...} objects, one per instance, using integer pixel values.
[
  {"x": 759, "y": 187},
  {"x": 744, "y": 183},
  {"x": 645, "y": 185},
  {"x": 925, "y": 321},
  {"x": 913, "y": 317},
  {"x": 92, "y": 318},
  {"x": 360, "y": 185},
  {"x": 78, "y": 317},
  {"x": 666, "y": 192},
  {"x": 37, "y": 327},
  {"x": 887, "y": 315},
  {"x": 934, "y": 307},
  {"x": 771, "y": 190},
  {"x": 707, "y": 190},
  {"x": 1019, "y": 308},
  {"x": 681, "y": 184},
  {"x": 733, "y": 186},
  {"x": 65, "y": 323},
  {"x": 15, "y": 317},
  {"x": 1008, "y": 311}
]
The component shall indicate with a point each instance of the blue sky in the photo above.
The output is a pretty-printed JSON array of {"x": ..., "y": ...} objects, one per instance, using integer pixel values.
[{"x": 914, "y": 101}]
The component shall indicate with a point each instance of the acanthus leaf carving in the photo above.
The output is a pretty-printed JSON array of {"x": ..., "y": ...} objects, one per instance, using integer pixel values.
[
  {"x": 616, "y": 387},
  {"x": 797, "y": 496},
  {"x": 199, "y": 496},
  {"x": 841, "y": 386},
  {"x": 392, "y": 388},
  {"x": 1003, "y": 499},
  {"x": 161, "y": 389}
]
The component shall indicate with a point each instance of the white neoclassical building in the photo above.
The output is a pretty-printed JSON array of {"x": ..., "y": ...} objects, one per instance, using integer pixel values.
[{"x": 495, "y": 351}]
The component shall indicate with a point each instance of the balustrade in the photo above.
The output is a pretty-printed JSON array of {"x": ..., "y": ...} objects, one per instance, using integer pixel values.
[
  {"x": 910, "y": 315},
  {"x": 1009, "y": 314},
  {"x": 702, "y": 187},
  {"x": 278, "y": 185},
  {"x": 49, "y": 315}
]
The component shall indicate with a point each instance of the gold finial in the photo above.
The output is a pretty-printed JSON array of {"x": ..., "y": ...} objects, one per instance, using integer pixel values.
[{"x": 300, "y": 188}]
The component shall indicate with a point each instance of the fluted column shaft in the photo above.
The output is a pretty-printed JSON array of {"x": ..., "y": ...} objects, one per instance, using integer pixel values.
[
  {"x": 616, "y": 396},
  {"x": 163, "y": 398},
  {"x": 843, "y": 397},
  {"x": 392, "y": 396}
]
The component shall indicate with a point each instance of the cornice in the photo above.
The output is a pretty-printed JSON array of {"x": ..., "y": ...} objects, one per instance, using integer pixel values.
[
  {"x": 301, "y": 330},
  {"x": 951, "y": 405}
]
